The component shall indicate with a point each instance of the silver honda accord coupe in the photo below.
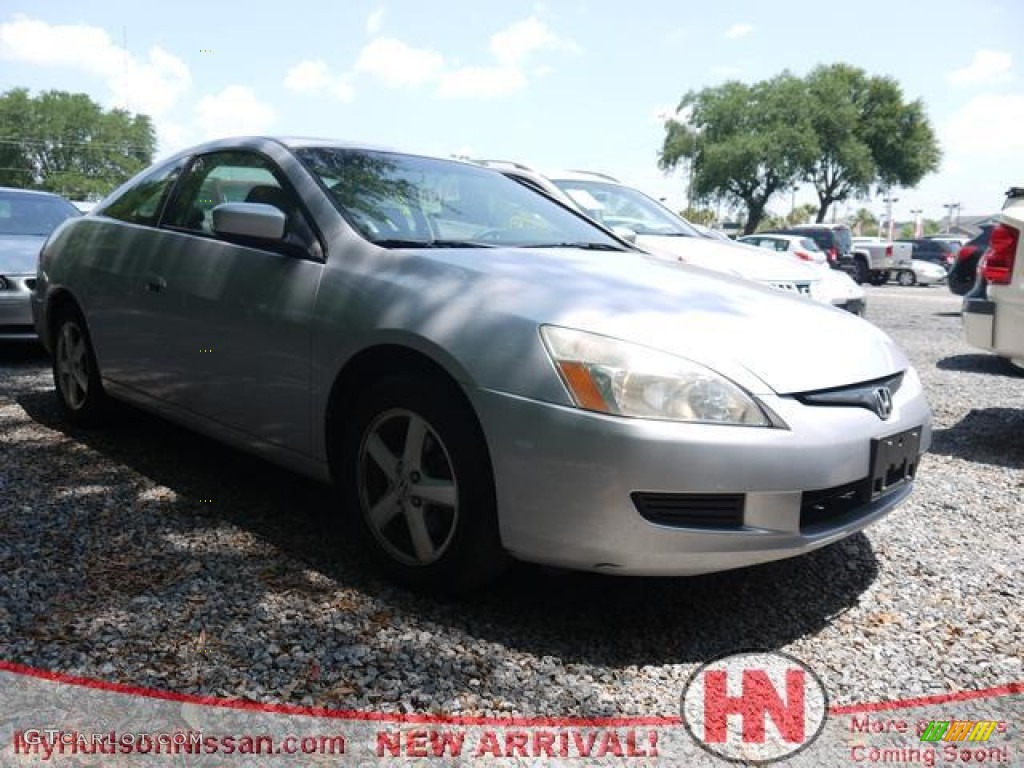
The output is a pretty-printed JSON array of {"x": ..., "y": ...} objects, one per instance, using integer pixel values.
[{"x": 483, "y": 373}]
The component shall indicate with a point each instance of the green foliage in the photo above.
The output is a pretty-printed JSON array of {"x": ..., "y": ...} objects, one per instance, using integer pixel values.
[
  {"x": 864, "y": 222},
  {"x": 704, "y": 216},
  {"x": 838, "y": 128},
  {"x": 866, "y": 135},
  {"x": 802, "y": 214},
  {"x": 745, "y": 142},
  {"x": 772, "y": 221},
  {"x": 67, "y": 143}
]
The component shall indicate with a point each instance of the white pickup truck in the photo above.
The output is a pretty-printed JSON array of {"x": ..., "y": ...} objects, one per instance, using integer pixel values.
[
  {"x": 877, "y": 261},
  {"x": 994, "y": 308}
]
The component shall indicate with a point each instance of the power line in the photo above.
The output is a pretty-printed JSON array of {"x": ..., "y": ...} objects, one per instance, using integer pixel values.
[{"x": 62, "y": 143}]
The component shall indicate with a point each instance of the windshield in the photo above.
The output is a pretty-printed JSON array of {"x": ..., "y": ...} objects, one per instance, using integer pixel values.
[
  {"x": 617, "y": 206},
  {"x": 23, "y": 213},
  {"x": 405, "y": 201}
]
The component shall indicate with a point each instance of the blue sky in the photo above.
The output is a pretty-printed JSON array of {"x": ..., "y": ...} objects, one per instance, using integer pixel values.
[{"x": 571, "y": 84}]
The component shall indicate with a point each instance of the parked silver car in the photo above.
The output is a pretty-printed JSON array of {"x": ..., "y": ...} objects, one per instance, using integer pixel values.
[
  {"x": 27, "y": 218},
  {"x": 484, "y": 372}
]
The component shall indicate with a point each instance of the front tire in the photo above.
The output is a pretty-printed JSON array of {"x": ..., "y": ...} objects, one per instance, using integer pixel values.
[
  {"x": 906, "y": 277},
  {"x": 414, "y": 469},
  {"x": 76, "y": 376},
  {"x": 862, "y": 273}
]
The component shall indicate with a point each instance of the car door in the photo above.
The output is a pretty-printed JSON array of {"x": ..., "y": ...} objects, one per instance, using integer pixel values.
[
  {"x": 241, "y": 325},
  {"x": 118, "y": 250}
]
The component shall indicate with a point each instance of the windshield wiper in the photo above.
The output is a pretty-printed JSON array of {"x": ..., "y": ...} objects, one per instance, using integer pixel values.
[
  {"x": 582, "y": 245},
  {"x": 394, "y": 242}
]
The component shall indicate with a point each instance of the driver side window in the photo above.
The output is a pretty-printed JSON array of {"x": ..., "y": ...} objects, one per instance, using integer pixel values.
[{"x": 227, "y": 177}]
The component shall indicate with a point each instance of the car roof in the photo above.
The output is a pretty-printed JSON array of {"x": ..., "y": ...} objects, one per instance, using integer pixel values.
[{"x": 299, "y": 142}]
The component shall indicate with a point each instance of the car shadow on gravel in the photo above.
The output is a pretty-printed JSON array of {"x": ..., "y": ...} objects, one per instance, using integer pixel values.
[
  {"x": 978, "y": 363},
  {"x": 988, "y": 435},
  {"x": 19, "y": 353},
  {"x": 576, "y": 618}
]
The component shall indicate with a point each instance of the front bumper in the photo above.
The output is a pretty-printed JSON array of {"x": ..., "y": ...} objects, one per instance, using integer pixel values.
[
  {"x": 16, "y": 307},
  {"x": 566, "y": 482}
]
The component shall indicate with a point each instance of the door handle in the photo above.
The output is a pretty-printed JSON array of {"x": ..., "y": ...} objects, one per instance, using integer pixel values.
[{"x": 155, "y": 283}]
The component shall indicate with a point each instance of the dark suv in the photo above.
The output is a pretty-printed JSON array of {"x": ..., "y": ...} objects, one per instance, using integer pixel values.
[
  {"x": 834, "y": 239},
  {"x": 941, "y": 252},
  {"x": 965, "y": 267}
]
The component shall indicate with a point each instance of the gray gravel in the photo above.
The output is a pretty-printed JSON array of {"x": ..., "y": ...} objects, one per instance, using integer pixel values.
[{"x": 147, "y": 555}]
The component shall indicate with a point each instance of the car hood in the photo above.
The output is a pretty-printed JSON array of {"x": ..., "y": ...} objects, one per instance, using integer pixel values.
[
  {"x": 836, "y": 285},
  {"x": 19, "y": 253},
  {"x": 741, "y": 329},
  {"x": 732, "y": 258}
]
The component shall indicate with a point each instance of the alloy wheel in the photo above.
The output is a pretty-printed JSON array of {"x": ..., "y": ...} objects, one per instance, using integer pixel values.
[
  {"x": 72, "y": 362},
  {"x": 407, "y": 487}
]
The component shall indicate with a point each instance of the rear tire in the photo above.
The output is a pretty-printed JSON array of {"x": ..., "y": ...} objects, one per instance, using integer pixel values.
[
  {"x": 415, "y": 471},
  {"x": 906, "y": 277},
  {"x": 76, "y": 375}
]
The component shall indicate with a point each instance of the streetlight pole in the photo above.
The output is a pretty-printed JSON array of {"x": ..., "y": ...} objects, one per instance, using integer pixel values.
[
  {"x": 950, "y": 207},
  {"x": 889, "y": 200},
  {"x": 918, "y": 227}
]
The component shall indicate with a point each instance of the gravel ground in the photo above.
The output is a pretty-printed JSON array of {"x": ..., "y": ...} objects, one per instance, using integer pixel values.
[{"x": 146, "y": 555}]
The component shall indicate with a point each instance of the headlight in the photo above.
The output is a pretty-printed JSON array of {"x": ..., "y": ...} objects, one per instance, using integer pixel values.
[{"x": 611, "y": 376}]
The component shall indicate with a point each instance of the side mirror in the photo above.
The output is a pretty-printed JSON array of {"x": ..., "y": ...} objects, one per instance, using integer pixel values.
[
  {"x": 625, "y": 233},
  {"x": 252, "y": 221}
]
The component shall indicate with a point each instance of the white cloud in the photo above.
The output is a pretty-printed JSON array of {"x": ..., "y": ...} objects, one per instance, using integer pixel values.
[
  {"x": 481, "y": 82},
  {"x": 986, "y": 67},
  {"x": 515, "y": 43},
  {"x": 397, "y": 64},
  {"x": 737, "y": 31},
  {"x": 313, "y": 76},
  {"x": 235, "y": 111},
  {"x": 307, "y": 76},
  {"x": 374, "y": 22},
  {"x": 152, "y": 85},
  {"x": 987, "y": 125}
]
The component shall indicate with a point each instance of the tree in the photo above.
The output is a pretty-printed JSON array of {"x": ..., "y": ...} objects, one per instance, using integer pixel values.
[
  {"x": 802, "y": 214},
  {"x": 703, "y": 216},
  {"x": 745, "y": 143},
  {"x": 864, "y": 221},
  {"x": 837, "y": 128},
  {"x": 866, "y": 135},
  {"x": 66, "y": 143}
]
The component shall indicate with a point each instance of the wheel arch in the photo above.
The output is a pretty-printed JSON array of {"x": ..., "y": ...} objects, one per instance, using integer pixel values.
[
  {"x": 57, "y": 300},
  {"x": 382, "y": 360}
]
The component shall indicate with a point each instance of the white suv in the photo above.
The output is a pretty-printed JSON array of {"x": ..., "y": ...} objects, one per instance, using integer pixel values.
[{"x": 994, "y": 309}]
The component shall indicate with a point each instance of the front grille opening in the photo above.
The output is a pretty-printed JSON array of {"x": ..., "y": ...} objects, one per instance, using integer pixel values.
[
  {"x": 691, "y": 510},
  {"x": 831, "y": 505}
]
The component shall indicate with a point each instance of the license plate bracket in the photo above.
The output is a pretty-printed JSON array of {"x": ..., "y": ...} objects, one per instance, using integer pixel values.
[{"x": 894, "y": 461}]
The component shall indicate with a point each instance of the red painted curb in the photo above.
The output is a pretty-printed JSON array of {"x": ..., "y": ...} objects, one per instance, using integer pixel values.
[{"x": 466, "y": 720}]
